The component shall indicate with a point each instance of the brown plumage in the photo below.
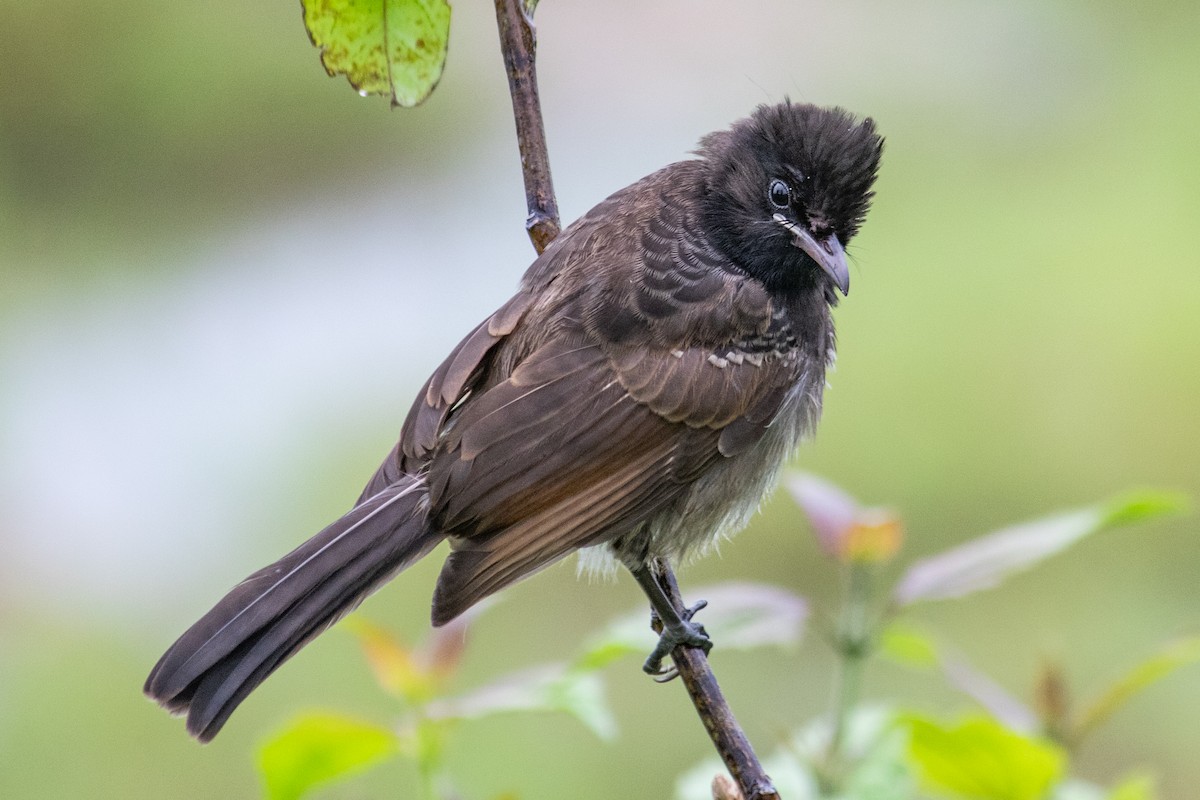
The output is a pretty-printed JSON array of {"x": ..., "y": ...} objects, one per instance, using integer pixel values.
[{"x": 659, "y": 362}]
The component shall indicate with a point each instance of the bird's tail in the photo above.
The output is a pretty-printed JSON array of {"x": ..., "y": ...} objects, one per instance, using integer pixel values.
[{"x": 269, "y": 616}]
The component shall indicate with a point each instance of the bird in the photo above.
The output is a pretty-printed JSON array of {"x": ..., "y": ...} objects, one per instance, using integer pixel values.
[{"x": 634, "y": 400}]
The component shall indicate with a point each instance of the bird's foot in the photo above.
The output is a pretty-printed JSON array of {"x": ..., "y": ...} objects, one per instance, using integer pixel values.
[{"x": 674, "y": 634}]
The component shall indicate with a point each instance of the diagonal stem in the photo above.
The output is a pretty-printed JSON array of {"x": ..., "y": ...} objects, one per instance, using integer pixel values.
[
  {"x": 727, "y": 735},
  {"x": 518, "y": 41}
]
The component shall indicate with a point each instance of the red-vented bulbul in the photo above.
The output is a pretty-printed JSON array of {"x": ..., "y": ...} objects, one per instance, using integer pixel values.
[{"x": 661, "y": 359}]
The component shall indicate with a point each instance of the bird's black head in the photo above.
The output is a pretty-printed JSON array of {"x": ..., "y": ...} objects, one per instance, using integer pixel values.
[{"x": 788, "y": 187}]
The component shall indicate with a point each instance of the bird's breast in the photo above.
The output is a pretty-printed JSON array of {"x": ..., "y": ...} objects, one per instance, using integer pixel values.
[{"x": 721, "y": 502}]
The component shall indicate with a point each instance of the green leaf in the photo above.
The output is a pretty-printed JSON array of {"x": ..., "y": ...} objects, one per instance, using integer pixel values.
[
  {"x": 908, "y": 646},
  {"x": 394, "y": 48},
  {"x": 1175, "y": 655},
  {"x": 317, "y": 748},
  {"x": 982, "y": 760},
  {"x": 612, "y": 645},
  {"x": 1143, "y": 505},
  {"x": 985, "y": 562}
]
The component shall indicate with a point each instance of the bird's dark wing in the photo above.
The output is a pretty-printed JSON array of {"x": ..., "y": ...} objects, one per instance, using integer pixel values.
[
  {"x": 564, "y": 455},
  {"x": 654, "y": 373},
  {"x": 555, "y": 458}
]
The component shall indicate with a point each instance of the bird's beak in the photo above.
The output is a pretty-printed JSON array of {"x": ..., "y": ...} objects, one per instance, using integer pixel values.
[{"x": 827, "y": 252}]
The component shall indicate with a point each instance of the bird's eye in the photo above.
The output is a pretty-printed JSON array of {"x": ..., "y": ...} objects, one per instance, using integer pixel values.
[{"x": 779, "y": 194}]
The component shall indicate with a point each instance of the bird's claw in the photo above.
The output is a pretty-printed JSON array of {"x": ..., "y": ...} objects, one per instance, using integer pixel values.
[
  {"x": 692, "y": 610},
  {"x": 685, "y": 633}
]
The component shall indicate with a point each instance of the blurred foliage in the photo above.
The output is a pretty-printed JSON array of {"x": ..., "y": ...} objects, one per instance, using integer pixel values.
[
  {"x": 859, "y": 752},
  {"x": 855, "y": 752},
  {"x": 319, "y": 747},
  {"x": 980, "y": 758}
]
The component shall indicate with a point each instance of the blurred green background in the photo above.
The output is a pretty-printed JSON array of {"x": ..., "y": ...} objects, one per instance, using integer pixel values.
[{"x": 223, "y": 275}]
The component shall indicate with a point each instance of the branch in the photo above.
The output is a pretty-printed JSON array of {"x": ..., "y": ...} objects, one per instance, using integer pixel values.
[
  {"x": 518, "y": 43},
  {"x": 723, "y": 728}
]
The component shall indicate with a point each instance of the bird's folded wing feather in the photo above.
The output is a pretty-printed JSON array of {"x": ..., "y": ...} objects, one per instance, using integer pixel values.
[{"x": 566, "y": 454}]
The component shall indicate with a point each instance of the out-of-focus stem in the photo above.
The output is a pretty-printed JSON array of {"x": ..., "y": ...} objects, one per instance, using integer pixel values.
[
  {"x": 429, "y": 748},
  {"x": 853, "y": 643}
]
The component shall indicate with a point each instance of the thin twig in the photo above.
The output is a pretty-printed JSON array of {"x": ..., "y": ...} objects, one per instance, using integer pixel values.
[
  {"x": 518, "y": 42},
  {"x": 723, "y": 728}
]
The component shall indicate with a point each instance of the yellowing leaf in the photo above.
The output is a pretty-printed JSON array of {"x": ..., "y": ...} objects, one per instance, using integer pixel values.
[
  {"x": 982, "y": 760},
  {"x": 395, "y": 48},
  {"x": 874, "y": 537},
  {"x": 318, "y": 748},
  {"x": 396, "y": 671},
  {"x": 830, "y": 511}
]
